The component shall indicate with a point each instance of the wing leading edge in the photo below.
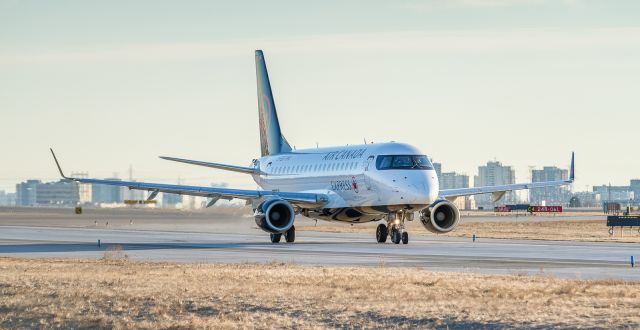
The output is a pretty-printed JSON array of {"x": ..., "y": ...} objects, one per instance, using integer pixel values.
[
  {"x": 498, "y": 191},
  {"x": 296, "y": 198}
]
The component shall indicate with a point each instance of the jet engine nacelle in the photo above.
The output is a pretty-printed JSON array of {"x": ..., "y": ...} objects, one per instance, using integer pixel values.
[
  {"x": 274, "y": 216},
  {"x": 440, "y": 217}
]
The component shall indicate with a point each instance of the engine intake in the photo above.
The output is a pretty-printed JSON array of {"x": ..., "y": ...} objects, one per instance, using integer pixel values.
[
  {"x": 440, "y": 217},
  {"x": 275, "y": 216}
]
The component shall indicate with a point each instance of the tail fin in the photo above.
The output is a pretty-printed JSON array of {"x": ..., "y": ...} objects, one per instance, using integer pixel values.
[{"x": 271, "y": 139}]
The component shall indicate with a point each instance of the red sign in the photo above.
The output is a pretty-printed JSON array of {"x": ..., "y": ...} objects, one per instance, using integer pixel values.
[{"x": 545, "y": 209}]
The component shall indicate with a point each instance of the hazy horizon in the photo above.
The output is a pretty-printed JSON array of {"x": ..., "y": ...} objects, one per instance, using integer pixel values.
[{"x": 113, "y": 84}]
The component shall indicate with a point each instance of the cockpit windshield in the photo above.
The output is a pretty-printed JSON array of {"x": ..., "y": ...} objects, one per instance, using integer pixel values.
[{"x": 403, "y": 162}]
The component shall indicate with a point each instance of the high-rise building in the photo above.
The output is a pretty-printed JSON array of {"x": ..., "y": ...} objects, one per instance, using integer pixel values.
[
  {"x": 26, "y": 192},
  {"x": 549, "y": 195},
  {"x": 106, "y": 194},
  {"x": 494, "y": 174}
]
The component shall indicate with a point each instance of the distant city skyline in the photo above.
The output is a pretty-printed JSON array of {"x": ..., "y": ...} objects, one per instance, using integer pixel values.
[{"x": 523, "y": 82}]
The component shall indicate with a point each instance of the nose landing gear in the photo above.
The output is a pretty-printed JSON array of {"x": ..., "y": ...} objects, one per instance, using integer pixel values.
[{"x": 395, "y": 228}]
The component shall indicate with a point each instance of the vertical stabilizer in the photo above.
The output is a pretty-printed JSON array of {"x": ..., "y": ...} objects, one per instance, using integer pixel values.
[{"x": 271, "y": 139}]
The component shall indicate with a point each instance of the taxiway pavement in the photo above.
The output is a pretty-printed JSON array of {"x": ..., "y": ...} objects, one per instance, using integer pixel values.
[{"x": 234, "y": 239}]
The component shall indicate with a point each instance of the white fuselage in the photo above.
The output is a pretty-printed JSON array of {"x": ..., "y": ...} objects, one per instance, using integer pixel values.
[{"x": 349, "y": 176}]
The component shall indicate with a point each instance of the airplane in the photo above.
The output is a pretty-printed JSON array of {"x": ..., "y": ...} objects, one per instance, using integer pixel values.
[{"x": 354, "y": 183}]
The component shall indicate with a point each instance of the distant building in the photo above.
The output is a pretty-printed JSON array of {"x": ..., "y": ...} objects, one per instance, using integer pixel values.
[
  {"x": 84, "y": 189},
  {"x": 549, "y": 195},
  {"x": 587, "y": 199},
  {"x": 620, "y": 194},
  {"x": 134, "y": 194},
  {"x": 26, "y": 193},
  {"x": 493, "y": 174},
  {"x": 634, "y": 186},
  {"x": 7, "y": 199},
  {"x": 171, "y": 200},
  {"x": 58, "y": 193},
  {"x": 35, "y": 192},
  {"x": 438, "y": 168},
  {"x": 453, "y": 180},
  {"x": 107, "y": 194}
]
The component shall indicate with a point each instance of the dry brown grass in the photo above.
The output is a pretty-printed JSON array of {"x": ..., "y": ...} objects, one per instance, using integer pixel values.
[
  {"x": 563, "y": 230},
  {"x": 124, "y": 294}
]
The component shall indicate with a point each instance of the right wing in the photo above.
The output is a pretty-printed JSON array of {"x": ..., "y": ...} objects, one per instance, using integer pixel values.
[
  {"x": 499, "y": 191},
  {"x": 296, "y": 198}
]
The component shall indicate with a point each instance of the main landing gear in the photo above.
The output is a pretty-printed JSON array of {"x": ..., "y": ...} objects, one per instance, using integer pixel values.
[
  {"x": 289, "y": 236},
  {"x": 394, "y": 229}
]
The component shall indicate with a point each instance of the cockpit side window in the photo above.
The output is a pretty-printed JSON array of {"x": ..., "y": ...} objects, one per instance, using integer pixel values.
[
  {"x": 403, "y": 162},
  {"x": 384, "y": 162}
]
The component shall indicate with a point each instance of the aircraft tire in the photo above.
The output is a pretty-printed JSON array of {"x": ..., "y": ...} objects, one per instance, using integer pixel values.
[
  {"x": 396, "y": 237},
  {"x": 381, "y": 233},
  {"x": 290, "y": 235},
  {"x": 275, "y": 238},
  {"x": 405, "y": 238}
]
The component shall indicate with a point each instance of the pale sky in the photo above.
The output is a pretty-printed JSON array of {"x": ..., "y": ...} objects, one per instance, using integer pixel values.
[{"x": 113, "y": 83}]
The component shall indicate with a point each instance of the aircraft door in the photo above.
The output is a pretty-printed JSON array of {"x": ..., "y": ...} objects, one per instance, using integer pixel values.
[{"x": 367, "y": 164}]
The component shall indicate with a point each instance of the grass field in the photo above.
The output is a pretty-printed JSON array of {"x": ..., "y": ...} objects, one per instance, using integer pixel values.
[
  {"x": 116, "y": 293},
  {"x": 561, "y": 230}
]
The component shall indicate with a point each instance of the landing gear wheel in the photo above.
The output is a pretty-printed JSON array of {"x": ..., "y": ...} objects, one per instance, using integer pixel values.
[
  {"x": 290, "y": 235},
  {"x": 275, "y": 238},
  {"x": 396, "y": 236},
  {"x": 382, "y": 233},
  {"x": 405, "y": 237}
]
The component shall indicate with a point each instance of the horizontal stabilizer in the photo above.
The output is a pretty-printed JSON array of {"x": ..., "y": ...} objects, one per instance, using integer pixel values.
[{"x": 234, "y": 168}]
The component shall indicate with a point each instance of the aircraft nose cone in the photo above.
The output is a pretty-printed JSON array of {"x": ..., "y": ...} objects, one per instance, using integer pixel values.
[{"x": 419, "y": 193}]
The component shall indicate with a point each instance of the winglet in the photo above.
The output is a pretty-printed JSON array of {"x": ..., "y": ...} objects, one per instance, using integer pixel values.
[
  {"x": 58, "y": 164},
  {"x": 572, "y": 174}
]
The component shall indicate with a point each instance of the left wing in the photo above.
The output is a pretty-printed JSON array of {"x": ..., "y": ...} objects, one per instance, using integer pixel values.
[
  {"x": 499, "y": 191},
  {"x": 296, "y": 198}
]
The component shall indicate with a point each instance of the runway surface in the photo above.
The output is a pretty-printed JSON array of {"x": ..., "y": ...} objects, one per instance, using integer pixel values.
[{"x": 235, "y": 239}]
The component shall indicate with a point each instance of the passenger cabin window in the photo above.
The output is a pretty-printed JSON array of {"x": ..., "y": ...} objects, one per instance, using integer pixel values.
[{"x": 403, "y": 162}]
